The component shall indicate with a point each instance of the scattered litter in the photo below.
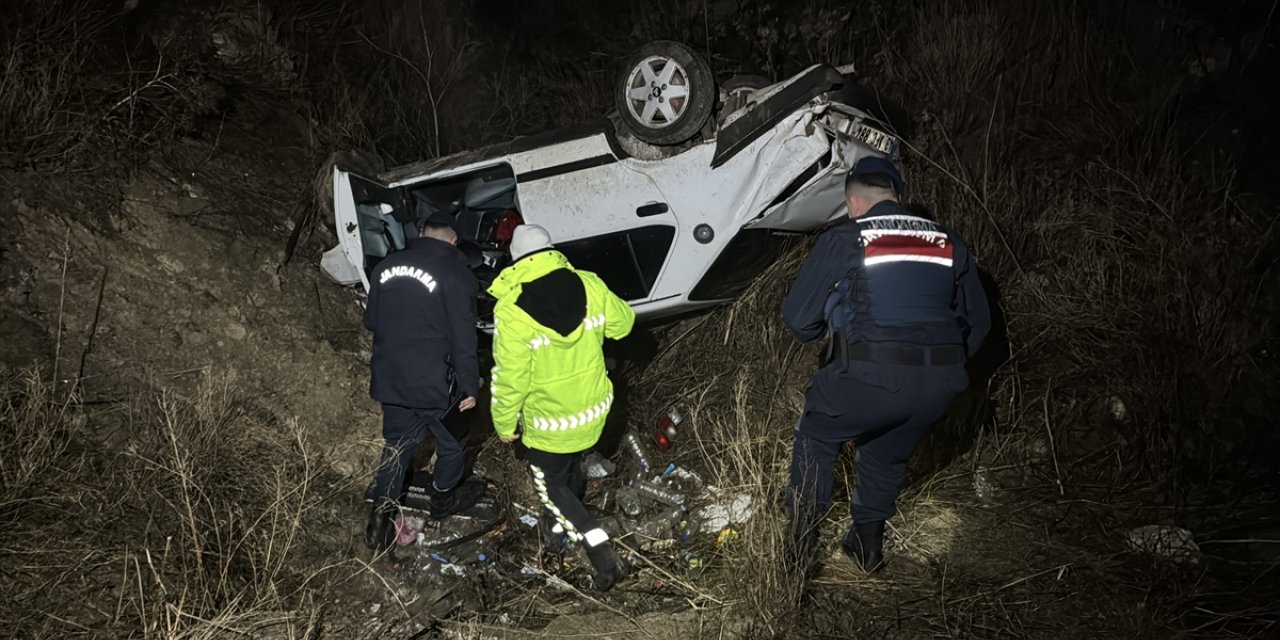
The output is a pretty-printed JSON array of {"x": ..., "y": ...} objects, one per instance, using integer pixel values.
[
  {"x": 658, "y": 493},
  {"x": 659, "y": 527},
  {"x": 693, "y": 559},
  {"x": 528, "y": 520},
  {"x": 1118, "y": 410},
  {"x": 628, "y": 500},
  {"x": 659, "y": 545},
  {"x": 552, "y": 581},
  {"x": 983, "y": 488},
  {"x": 1170, "y": 542},
  {"x": 598, "y": 466},
  {"x": 680, "y": 473},
  {"x": 407, "y": 529},
  {"x": 734, "y": 510},
  {"x": 666, "y": 429},
  {"x": 687, "y": 528},
  {"x": 726, "y": 535},
  {"x": 633, "y": 446}
]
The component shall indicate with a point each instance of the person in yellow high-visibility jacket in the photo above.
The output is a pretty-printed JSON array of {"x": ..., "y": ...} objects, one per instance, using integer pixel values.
[{"x": 549, "y": 386}]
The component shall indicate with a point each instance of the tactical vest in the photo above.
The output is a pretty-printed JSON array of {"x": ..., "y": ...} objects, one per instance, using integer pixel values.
[{"x": 899, "y": 289}]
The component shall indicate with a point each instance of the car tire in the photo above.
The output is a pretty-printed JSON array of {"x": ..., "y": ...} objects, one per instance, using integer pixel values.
[{"x": 646, "y": 104}]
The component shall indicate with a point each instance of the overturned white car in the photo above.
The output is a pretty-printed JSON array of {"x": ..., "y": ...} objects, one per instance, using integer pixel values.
[{"x": 677, "y": 209}]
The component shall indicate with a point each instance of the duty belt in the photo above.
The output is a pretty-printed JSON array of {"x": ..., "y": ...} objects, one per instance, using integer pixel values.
[{"x": 894, "y": 353}]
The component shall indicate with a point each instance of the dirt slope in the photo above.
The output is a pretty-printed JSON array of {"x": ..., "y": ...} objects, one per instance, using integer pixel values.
[{"x": 183, "y": 273}]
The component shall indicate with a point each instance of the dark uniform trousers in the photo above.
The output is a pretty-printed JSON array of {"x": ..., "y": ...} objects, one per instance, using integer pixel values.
[
  {"x": 884, "y": 410},
  {"x": 404, "y": 429},
  {"x": 561, "y": 485}
]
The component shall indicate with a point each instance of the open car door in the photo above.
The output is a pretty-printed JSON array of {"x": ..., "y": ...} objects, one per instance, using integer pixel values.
[{"x": 371, "y": 221}]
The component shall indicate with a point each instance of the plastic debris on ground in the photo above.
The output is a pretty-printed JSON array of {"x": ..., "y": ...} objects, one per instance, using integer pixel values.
[
  {"x": 407, "y": 528},
  {"x": 665, "y": 433},
  {"x": 658, "y": 493},
  {"x": 1174, "y": 543},
  {"x": 728, "y": 510},
  {"x": 633, "y": 446},
  {"x": 726, "y": 536},
  {"x": 984, "y": 489},
  {"x": 598, "y": 466},
  {"x": 454, "y": 545},
  {"x": 682, "y": 474},
  {"x": 657, "y": 507}
]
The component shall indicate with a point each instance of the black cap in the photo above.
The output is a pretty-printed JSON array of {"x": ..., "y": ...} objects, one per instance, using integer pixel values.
[
  {"x": 883, "y": 166},
  {"x": 440, "y": 218}
]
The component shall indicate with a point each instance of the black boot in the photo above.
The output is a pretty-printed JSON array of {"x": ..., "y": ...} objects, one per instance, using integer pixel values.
[
  {"x": 865, "y": 544},
  {"x": 552, "y": 541},
  {"x": 456, "y": 500},
  {"x": 380, "y": 531},
  {"x": 607, "y": 564}
]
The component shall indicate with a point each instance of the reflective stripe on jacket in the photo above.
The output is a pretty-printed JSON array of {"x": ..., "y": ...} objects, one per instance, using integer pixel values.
[{"x": 555, "y": 383}]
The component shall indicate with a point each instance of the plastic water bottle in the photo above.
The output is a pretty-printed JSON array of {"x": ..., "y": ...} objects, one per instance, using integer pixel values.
[
  {"x": 681, "y": 473},
  {"x": 660, "y": 527},
  {"x": 632, "y": 443},
  {"x": 658, "y": 493}
]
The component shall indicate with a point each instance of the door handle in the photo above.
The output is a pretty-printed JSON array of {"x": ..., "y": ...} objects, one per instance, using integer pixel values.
[{"x": 652, "y": 209}]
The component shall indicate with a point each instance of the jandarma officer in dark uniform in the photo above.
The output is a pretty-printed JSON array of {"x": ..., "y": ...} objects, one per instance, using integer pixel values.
[
  {"x": 900, "y": 299},
  {"x": 422, "y": 315}
]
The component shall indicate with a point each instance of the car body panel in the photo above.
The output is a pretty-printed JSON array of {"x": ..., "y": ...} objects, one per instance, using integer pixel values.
[
  {"x": 770, "y": 106},
  {"x": 777, "y": 166}
]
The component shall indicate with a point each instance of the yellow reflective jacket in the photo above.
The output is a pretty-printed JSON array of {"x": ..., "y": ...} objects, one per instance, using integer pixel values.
[{"x": 552, "y": 383}]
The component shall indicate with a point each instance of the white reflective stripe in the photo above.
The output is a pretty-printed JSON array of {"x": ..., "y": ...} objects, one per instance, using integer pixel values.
[
  {"x": 580, "y": 419},
  {"x": 946, "y": 262},
  {"x": 594, "y": 322},
  {"x": 539, "y": 342},
  {"x": 596, "y": 536},
  {"x": 872, "y": 234},
  {"x": 562, "y": 523}
]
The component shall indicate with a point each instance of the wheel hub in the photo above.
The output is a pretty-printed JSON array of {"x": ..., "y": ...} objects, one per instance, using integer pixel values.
[{"x": 657, "y": 92}]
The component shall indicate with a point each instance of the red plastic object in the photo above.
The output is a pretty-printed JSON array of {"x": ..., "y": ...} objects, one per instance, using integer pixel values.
[
  {"x": 665, "y": 432},
  {"x": 506, "y": 226}
]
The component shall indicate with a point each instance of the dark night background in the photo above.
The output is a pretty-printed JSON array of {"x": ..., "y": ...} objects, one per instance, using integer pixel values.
[{"x": 184, "y": 425}]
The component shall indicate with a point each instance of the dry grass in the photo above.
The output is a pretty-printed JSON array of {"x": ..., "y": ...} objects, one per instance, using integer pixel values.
[
  {"x": 46, "y": 53},
  {"x": 1117, "y": 274},
  {"x": 201, "y": 524}
]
